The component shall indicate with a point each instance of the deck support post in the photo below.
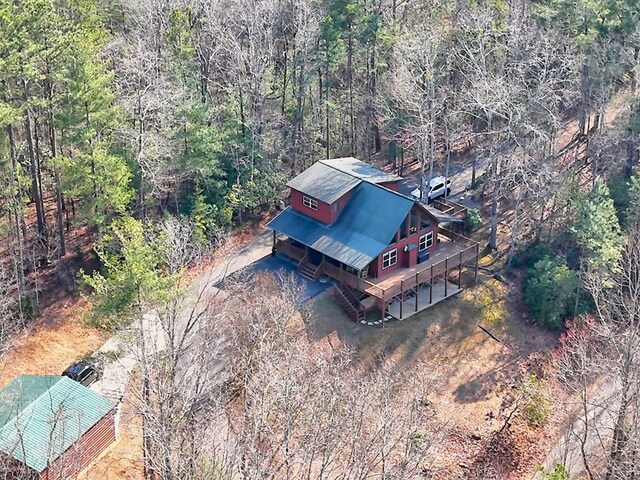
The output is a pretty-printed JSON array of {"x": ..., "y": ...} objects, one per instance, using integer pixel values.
[
  {"x": 477, "y": 255},
  {"x": 401, "y": 296},
  {"x": 431, "y": 287},
  {"x": 384, "y": 307},
  {"x": 446, "y": 275},
  {"x": 460, "y": 272},
  {"x": 273, "y": 248},
  {"x": 417, "y": 289}
]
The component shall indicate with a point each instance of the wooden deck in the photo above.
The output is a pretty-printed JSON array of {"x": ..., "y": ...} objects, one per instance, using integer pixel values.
[
  {"x": 446, "y": 257},
  {"x": 427, "y": 296},
  {"x": 454, "y": 252}
]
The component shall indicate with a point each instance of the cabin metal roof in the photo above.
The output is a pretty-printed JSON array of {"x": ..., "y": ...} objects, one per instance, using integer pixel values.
[
  {"x": 324, "y": 183},
  {"x": 440, "y": 216},
  {"x": 42, "y": 416},
  {"x": 362, "y": 231},
  {"x": 359, "y": 169}
]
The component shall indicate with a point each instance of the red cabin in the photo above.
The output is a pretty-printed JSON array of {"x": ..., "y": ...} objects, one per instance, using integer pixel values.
[{"x": 347, "y": 221}]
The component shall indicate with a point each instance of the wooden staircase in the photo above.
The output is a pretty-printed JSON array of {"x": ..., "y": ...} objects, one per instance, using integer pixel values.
[
  {"x": 348, "y": 301},
  {"x": 309, "y": 271}
]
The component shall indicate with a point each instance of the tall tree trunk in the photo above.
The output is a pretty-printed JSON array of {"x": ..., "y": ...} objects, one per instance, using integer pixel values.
[
  {"x": 326, "y": 103},
  {"x": 58, "y": 185},
  {"x": 15, "y": 180},
  {"x": 350, "y": 83},
  {"x": 619, "y": 435},
  {"x": 17, "y": 208},
  {"x": 493, "y": 235},
  {"x": 584, "y": 99},
  {"x": 35, "y": 175},
  {"x": 284, "y": 76},
  {"x": 432, "y": 126}
]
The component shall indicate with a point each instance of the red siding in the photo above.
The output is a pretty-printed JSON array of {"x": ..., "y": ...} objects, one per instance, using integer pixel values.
[
  {"x": 406, "y": 258},
  {"x": 390, "y": 185},
  {"x": 342, "y": 201},
  {"x": 88, "y": 447},
  {"x": 373, "y": 268},
  {"x": 325, "y": 212}
]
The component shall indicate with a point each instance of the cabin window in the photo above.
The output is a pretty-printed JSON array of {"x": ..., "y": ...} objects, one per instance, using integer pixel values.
[
  {"x": 390, "y": 258},
  {"x": 414, "y": 222},
  {"x": 309, "y": 202},
  {"x": 426, "y": 241},
  {"x": 403, "y": 228},
  {"x": 424, "y": 223}
]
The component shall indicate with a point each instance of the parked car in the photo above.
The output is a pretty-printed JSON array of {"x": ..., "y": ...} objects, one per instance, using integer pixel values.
[
  {"x": 437, "y": 187},
  {"x": 82, "y": 372}
]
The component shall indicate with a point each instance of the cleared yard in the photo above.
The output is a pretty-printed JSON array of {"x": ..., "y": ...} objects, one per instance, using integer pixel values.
[
  {"x": 473, "y": 375},
  {"x": 59, "y": 338}
]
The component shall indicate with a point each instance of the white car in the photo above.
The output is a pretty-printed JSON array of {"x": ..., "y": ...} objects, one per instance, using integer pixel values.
[{"x": 437, "y": 187}]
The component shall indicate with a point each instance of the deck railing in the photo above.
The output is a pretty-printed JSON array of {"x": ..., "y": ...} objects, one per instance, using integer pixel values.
[
  {"x": 409, "y": 282},
  {"x": 450, "y": 208},
  {"x": 285, "y": 247},
  {"x": 349, "y": 279},
  {"x": 455, "y": 236},
  {"x": 428, "y": 274}
]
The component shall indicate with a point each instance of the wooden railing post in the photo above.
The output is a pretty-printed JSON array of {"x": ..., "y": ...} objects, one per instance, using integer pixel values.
[
  {"x": 477, "y": 255},
  {"x": 460, "y": 272},
  {"x": 401, "y": 296},
  {"x": 446, "y": 275},
  {"x": 417, "y": 290},
  {"x": 431, "y": 287}
]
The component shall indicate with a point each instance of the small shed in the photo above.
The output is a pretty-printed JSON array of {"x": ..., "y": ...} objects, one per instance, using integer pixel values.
[{"x": 52, "y": 427}]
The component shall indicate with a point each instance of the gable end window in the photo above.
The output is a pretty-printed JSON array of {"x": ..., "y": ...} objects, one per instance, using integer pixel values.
[
  {"x": 426, "y": 241},
  {"x": 389, "y": 258},
  {"x": 309, "y": 202}
]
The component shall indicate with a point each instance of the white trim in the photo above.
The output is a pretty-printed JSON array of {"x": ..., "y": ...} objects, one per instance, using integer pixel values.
[
  {"x": 309, "y": 202},
  {"x": 391, "y": 255},
  {"x": 426, "y": 241}
]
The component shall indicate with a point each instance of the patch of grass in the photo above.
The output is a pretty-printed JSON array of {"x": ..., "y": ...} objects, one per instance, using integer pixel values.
[
  {"x": 490, "y": 301},
  {"x": 486, "y": 260}
]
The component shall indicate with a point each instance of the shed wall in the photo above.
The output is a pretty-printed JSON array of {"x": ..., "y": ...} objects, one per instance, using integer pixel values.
[{"x": 84, "y": 451}]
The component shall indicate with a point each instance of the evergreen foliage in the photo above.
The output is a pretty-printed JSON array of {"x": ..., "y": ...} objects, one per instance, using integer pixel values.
[
  {"x": 550, "y": 291},
  {"x": 597, "y": 229}
]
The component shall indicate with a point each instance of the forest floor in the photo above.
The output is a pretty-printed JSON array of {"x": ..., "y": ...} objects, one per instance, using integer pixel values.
[
  {"x": 472, "y": 377},
  {"x": 59, "y": 337}
]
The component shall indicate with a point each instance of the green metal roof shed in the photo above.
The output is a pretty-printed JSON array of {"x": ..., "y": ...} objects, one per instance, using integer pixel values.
[{"x": 41, "y": 417}]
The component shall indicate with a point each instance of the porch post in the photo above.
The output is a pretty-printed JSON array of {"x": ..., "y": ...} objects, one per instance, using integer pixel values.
[
  {"x": 446, "y": 275},
  {"x": 417, "y": 289},
  {"x": 401, "y": 296},
  {"x": 273, "y": 248},
  {"x": 431, "y": 287},
  {"x": 384, "y": 307},
  {"x": 477, "y": 255},
  {"x": 460, "y": 272}
]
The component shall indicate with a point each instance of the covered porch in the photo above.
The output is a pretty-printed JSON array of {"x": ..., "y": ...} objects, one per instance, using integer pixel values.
[{"x": 402, "y": 292}]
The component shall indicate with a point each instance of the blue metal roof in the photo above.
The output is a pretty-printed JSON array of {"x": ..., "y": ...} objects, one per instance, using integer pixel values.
[
  {"x": 42, "y": 416},
  {"x": 362, "y": 231}
]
